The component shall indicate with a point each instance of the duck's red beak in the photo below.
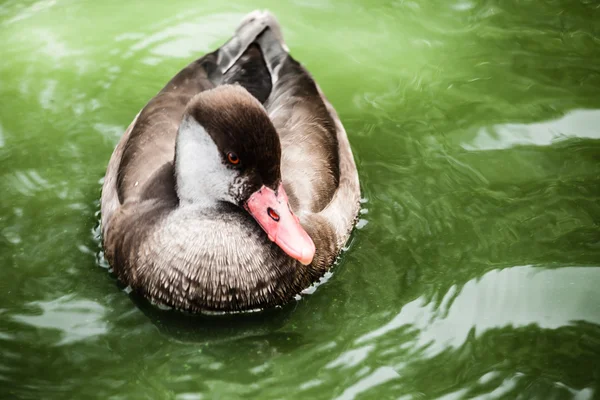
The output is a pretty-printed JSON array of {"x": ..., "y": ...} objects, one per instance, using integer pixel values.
[{"x": 271, "y": 210}]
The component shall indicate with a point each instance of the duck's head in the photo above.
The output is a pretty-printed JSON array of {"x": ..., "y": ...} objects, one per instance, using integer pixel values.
[{"x": 229, "y": 151}]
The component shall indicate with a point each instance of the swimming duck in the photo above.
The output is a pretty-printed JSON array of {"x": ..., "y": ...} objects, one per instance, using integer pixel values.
[{"x": 235, "y": 187}]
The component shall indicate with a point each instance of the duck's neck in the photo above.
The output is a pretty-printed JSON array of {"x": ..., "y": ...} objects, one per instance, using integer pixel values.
[{"x": 201, "y": 179}]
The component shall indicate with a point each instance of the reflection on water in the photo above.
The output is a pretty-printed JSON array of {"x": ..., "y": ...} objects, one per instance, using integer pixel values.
[
  {"x": 76, "y": 319},
  {"x": 351, "y": 358},
  {"x": 575, "y": 124},
  {"x": 516, "y": 297},
  {"x": 54, "y": 48},
  {"x": 183, "y": 38},
  {"x": 27, "y": 182},
  {"x": 30, "y": 11},
  {"x": 379, "y": 376}
]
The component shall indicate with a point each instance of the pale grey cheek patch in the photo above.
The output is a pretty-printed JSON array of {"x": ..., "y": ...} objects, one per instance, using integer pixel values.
[{"x": 202, "y": 178}]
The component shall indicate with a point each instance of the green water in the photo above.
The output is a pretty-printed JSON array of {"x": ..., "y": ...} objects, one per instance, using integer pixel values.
[{"x": 475, "y": 271}]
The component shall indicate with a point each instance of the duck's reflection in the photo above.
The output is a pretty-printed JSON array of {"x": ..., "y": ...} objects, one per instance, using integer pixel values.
[{"x": 203, "y": 328}]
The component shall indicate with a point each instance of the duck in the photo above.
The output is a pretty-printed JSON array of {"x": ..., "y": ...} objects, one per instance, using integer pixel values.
[{"x": 235, "y": 187}]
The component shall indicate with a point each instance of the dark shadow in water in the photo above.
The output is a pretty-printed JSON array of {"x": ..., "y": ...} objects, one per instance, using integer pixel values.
[{"x": 203, "y": 328}]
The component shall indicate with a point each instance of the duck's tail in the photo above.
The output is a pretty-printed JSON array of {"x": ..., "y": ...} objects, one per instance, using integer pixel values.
[{"x": 262, "y": 28}]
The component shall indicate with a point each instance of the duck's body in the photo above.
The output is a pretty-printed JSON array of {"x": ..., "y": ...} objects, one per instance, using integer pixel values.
[{"x": 177, "y": 220}]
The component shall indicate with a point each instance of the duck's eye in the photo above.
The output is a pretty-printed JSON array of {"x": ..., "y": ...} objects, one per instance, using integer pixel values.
[{"x": 233, "y": 158}]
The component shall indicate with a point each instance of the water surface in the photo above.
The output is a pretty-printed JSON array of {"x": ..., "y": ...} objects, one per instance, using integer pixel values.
[{"x": 475, "y": 271}]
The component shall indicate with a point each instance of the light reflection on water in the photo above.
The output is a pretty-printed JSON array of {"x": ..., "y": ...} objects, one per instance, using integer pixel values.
[
  {"x": 379, "y": 376},
  {"x": 575, "y": 124},
  {"x": 516, "y": 297},
  {"x": 75, "y": 319},
  {"x": 182, "y": 39},
  {"x": 32, "y": 10}
]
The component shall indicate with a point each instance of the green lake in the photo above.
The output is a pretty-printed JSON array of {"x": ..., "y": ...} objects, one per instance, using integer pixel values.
[{"x": 475, "y": 268}]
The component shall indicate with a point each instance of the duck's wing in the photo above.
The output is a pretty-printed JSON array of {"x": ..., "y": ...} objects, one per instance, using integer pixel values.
[
  {"x": 141, "y": 167},
  {"x": 317, "y": 166}
]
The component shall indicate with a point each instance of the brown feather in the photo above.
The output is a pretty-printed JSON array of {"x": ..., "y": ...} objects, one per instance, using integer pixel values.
[{"x": 222, "y": 260}]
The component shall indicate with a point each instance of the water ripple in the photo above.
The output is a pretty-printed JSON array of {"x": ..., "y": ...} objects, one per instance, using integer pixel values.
[
  {"x": 182, "y": 39},
  {"x": 76, "y": 319},
  {"x": 515, "y": 297},
  {"x": 378, "y": 377}
]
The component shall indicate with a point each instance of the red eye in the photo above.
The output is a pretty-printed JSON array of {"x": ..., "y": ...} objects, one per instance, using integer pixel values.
[
  {"x": 273, "y": 214},
  {"x": 233, "y": 158}
]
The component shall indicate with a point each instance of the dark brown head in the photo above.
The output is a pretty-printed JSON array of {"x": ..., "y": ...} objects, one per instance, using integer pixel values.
[{"x": 229, "y": 151}]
